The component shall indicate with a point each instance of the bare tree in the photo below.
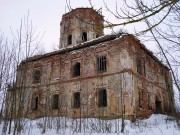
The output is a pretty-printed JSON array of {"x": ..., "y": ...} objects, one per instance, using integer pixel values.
[
  {"x": 6, "y": 69},
  {"x": 25, "y": 43},
  {"x": 161, "y": 19}
]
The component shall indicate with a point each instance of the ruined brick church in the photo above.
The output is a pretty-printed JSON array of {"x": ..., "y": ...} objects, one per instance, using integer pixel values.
[{"x": 92, "y": 75}]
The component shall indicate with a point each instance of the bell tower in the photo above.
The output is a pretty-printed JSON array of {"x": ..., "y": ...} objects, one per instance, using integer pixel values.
[{"x": 80, "y": 25}]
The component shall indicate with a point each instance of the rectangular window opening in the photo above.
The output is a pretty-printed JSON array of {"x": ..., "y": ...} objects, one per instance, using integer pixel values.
[
  {"x": 35, "y": 103},
  {"x": 69, "y": 40},
  {"x": 84, "y": 36},
  {"x": 140, "y": 98},
  {"x": 102, "y": 95},
  {"x": 167, "y": 82},
  {"x": 55, "y": 101},
  {"x": 138, "y": 65},
  {"x": 101, "y": 63},
  {"x": 149, "y": 102},
  {"x": 36, "y": 76},
  {"x": 76, "y": 100},
  {"x": 76, "y": 69}
]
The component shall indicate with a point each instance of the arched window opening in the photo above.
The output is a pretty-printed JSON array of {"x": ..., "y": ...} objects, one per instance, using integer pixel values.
[
  {"x": 97, "y": 36},
  {"x": 69, "y": 40},
  {"x": 84, "y": 36}
]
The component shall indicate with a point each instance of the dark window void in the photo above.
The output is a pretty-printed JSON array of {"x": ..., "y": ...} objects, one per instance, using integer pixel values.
[
  {"x": 102, "y": 95},
  {"x": 97, "y": 36},
  {"x": 168, "y": 86},
  {"x": 101, "y": 63},
  {"x": 55, "y": 101},
  {"x": 35, "y": 103},
  {"x": 76, "y": 69},
  {"x": 37, "y": 76},
  {"x": 84, "y": 36},
  {"x": 76, "y": 100},
  {"x": 140, "y": 65},
  {"x": 140, "y": 98},
  {"x": 69, "y": 41},
  {"x": 158, "y": 106},
  {"x": 149, "y": 102}
]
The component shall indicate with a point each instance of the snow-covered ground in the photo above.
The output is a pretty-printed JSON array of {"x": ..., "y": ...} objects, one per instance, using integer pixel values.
[{"x": 155, "y": 125}]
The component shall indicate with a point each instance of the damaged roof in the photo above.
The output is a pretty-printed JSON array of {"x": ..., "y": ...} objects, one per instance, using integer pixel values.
[
  {"x": 74, "y": 47},
  {"x": 95, "y": 41}
]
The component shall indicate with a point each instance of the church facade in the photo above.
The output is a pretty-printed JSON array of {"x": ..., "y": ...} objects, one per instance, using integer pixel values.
[{"x": 92, "y": 75}]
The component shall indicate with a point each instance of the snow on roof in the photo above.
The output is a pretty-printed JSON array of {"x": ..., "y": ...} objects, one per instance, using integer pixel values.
[
  {"x": 93, "y": 43},
  {"x": 73, "y": 47}
]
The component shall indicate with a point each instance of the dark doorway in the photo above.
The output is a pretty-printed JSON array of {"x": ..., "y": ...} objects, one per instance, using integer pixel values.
[{"x": 158, "y": 106}]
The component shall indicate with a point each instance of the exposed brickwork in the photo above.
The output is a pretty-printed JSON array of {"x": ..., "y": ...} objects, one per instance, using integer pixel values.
[
  {"x": 78, "y": 21},
  {"x": 141, "y": 94}
]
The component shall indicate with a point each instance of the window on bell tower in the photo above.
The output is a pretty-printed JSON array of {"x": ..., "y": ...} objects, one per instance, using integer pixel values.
[
  {"x": 84, "y": 36},
  {"x": 69, "y": 40}
]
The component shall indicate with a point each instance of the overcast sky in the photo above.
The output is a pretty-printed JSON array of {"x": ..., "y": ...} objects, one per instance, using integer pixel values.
[{"x": 46, "y": 16}]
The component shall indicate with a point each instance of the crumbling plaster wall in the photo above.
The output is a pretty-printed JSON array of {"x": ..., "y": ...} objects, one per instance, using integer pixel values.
[
  {"x": 121, "y": 81},
  {"x": 57, "y": 79},
  {"x": 152, "y": 82},
  {"x": 80, "y": 20}
]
